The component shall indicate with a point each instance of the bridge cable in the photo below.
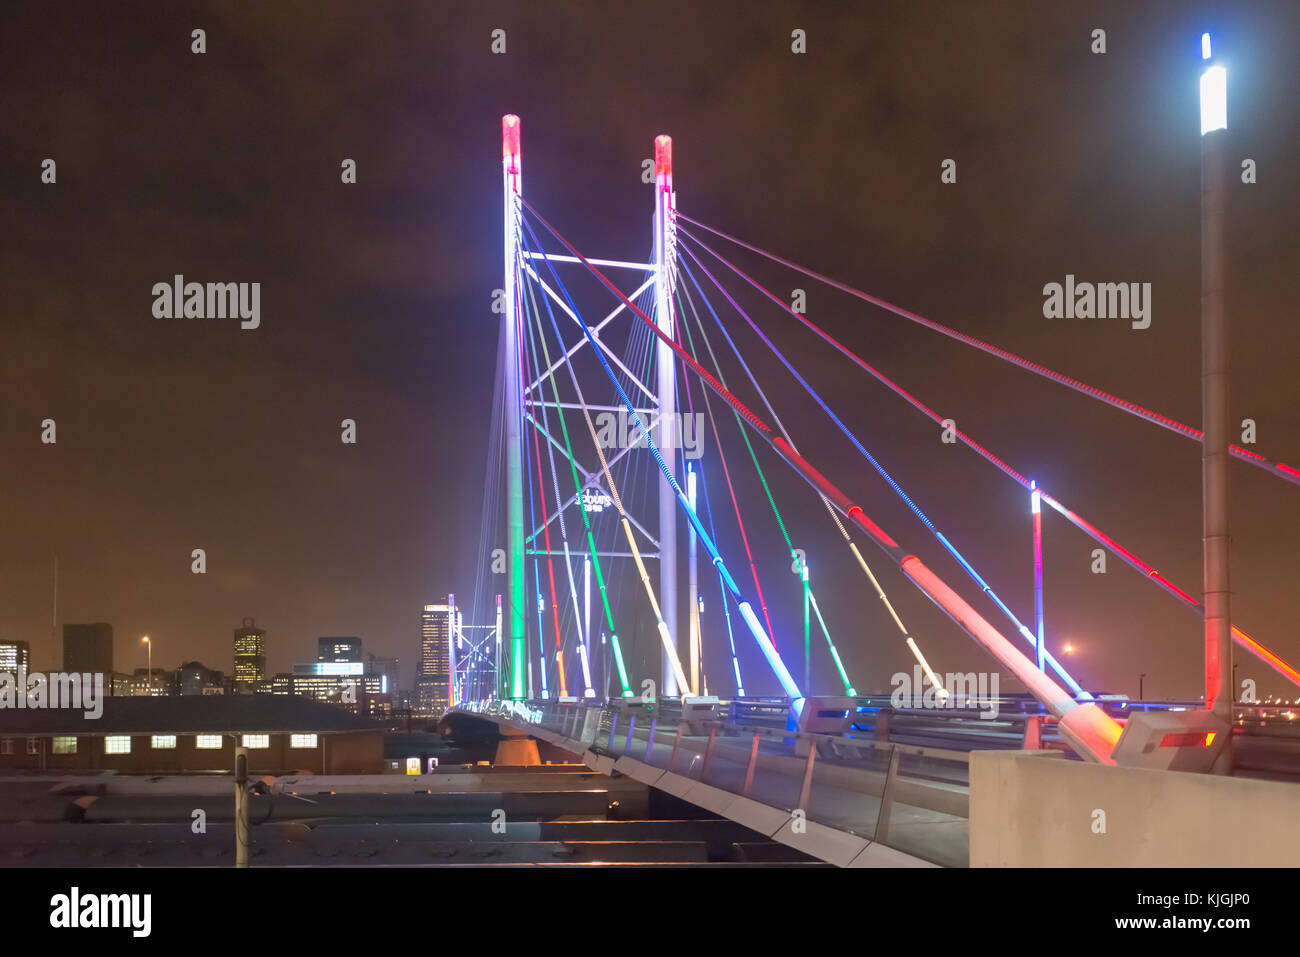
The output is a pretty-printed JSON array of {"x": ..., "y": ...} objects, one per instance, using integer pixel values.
[
  {"x": 761, "y": 637},
  {"x": 660, "y": 625},
  {"x": 907, "y": 499},
  {"x": 1247, "y": 642},
  {"x": 853, "y": 547},
  {"x": 1279, "y": 469},
  {"x": 1086, "y": 727},
  {"x": 835, "y": 655}
]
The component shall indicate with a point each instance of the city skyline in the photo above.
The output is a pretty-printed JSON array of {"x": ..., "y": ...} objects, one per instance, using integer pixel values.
[{"x": 124, "y": 663}]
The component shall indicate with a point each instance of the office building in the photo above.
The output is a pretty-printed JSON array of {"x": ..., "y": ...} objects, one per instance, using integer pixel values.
[
  {"x": 433, "y": 679},
  {"x": 15, "y": 655},
  {"x": 193, "y": 678},
  {"x": 387, "y": 670},
  {"x": 338, "y": 649},
  {"x": 88, "y": 649},
  {"x": 250, "y": 656}
]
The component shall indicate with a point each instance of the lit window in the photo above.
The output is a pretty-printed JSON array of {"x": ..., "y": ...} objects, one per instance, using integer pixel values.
[
  {"x": 257, "y": 740},
  {"x": 33, "y": 745},
  {"x": 209, "y": 741},
  {"x": 163, "y": 742},
  {"x": 7, "y": 746},
  {"x": 65, "y": 745},
  {"x": 117, "y": 744},
  {"x": 302, "y": 740}
]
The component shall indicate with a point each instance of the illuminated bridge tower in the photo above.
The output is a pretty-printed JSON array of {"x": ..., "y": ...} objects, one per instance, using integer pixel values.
[
  {"x": 666, "y": 390},
  {"x": 660, "y": 419}
]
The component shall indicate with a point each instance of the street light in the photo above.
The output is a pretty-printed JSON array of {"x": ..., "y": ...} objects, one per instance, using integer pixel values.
[
  {"x": 1216, "y": 597},
  {"x": 149, "y": 668}
]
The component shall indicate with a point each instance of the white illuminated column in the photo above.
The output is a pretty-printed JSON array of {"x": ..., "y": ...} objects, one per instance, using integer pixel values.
[
  {"x": 497, "y": 677},
  {"x": 586, "y": 622},
  {"x": 666, "y": 394},
  {"x": 1214, "y": 399}
]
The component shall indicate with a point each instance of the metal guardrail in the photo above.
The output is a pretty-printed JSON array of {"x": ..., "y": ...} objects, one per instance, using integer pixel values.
[{"x": 855, "y": 782}]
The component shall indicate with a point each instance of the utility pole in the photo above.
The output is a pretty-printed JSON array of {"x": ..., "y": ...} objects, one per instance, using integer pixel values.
[
  {"x": 241, "y": 807},
  {"x": 1216, "y": 594}
]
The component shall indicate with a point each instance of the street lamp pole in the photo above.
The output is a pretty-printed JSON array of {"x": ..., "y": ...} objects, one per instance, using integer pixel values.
[{"x": 1214, "y": 400}]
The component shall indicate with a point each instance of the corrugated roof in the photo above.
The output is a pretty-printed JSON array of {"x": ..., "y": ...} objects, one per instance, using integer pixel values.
[{"x": 188, "y": 714}]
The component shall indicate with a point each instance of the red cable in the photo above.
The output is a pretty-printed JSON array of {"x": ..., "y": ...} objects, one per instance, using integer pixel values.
[
  {"x": 550, "y": 567},
  {"x": 1254, "y": 458},
  {"x": 1248, "y": 642}
]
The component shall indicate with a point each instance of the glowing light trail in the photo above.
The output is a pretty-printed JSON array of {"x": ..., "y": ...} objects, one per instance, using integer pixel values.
[
  {"x": 1279, "y": 469},
  {"x": 1250, "y": 644},
  {"x": 1088, "y": 729}
]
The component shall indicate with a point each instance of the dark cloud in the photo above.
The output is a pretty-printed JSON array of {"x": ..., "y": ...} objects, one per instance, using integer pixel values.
[{"x": 175, "y": 435}]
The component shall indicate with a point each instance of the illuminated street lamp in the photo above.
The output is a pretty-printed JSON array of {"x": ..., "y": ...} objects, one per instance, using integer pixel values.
[
  {"x": 149, "y": 668},
  {"x": 1214, "y": 92}
]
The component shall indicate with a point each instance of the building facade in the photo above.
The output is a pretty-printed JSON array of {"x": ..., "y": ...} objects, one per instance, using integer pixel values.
[
  {"x": 178, "y": 734},
  {"x": 15, "y": 655},
  {"x": 338, "y": 649},
  {"x": 88, "y": 648},
  {"x": 433, "y": 679},
  {"x": 192, "y": 678},
  {"x": 250, "y": 656}
]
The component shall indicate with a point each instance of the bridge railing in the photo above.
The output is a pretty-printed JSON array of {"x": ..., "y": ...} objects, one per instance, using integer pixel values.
[{"x": 908, "y": 797}]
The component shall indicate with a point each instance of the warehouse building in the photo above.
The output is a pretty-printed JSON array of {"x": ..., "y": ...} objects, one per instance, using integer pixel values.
[{"x": 176, "y": 735}]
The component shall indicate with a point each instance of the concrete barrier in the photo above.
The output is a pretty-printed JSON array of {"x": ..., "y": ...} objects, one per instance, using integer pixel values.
[{"x": 1036, "y": 809}]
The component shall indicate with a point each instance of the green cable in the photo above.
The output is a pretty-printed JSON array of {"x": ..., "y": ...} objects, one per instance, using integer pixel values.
[
  {"x": 848, "y": 686},
  {"x": 577, "y": 484}
]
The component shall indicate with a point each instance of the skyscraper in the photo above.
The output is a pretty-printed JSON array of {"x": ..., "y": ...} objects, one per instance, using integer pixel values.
[
  {"x": 250, "y": 656},
  {"x": 15, "y": 655},
  {"x": 338, "y": 649},
  {"x": 433, "y": 679},
  {"x": 88, "y": 648},
  {"x": 387, "y": 670}
]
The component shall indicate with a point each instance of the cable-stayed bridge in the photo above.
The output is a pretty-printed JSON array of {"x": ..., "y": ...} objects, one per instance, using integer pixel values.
[{"x": 600, "y": 420}]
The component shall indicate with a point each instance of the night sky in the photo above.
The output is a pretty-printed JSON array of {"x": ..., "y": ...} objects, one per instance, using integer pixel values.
[{"x": 375, "y": 303}]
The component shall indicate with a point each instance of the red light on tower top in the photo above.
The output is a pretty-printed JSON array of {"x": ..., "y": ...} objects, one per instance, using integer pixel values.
[
  {"x": 509, "y": 135},
  {"x": 664, "y": 155}
]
